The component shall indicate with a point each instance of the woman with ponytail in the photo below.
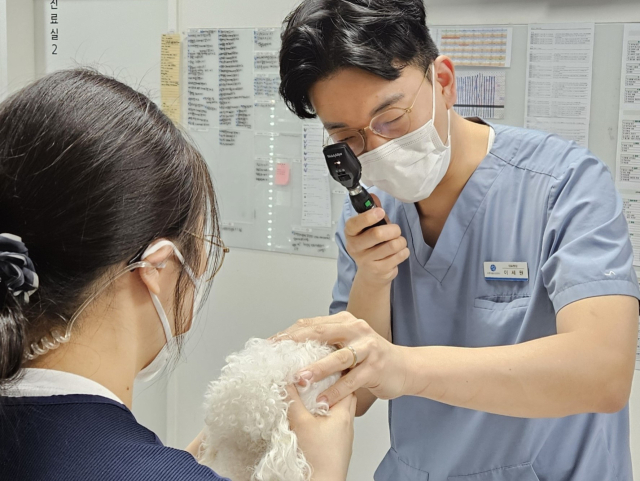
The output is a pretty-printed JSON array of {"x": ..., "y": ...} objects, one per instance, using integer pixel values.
[{"x": 108, "y": 236}]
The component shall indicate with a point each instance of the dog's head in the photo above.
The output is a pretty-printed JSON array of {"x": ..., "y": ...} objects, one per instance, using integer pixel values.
[{"x": 247, "y": 434}]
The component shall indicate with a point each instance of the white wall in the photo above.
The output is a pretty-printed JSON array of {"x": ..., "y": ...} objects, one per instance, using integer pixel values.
[
  {"x": 16, "y": 45},
  {"x": 4, "y": 49},
  {"x": 257, "y": 293}
]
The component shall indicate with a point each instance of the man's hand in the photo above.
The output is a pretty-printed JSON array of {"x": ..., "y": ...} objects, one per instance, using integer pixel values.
[
  {"x": 378, "y": 251},
  {"x": 381, "y": 366}
]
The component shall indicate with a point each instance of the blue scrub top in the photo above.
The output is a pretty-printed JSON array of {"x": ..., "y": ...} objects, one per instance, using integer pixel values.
[{"x": 535, "y": 198}]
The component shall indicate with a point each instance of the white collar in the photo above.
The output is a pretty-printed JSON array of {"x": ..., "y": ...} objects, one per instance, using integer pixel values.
[
  {"x": 48, "y": 382},
  {"x": 492, "y": 139}
]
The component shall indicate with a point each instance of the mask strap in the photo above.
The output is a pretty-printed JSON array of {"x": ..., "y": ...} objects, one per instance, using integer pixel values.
[
  {"x": 163, "y": 317},
  {"x": 448, "y": 127},
  {"x": 433, "y": 88},
  {"x": 154, "y": 298},
  {"x": 56, "y": 338}
]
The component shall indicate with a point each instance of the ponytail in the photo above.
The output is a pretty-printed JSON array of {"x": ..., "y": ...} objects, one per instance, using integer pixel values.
[
  {"x": 99, "y": 144},
  {"x": 12, "y": 335},
  {"x": 18, "y": 281}
]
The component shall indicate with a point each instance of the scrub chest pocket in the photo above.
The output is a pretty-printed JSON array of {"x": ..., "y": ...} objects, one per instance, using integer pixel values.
[
  {"x": 497, "y": 320},
  {"x": 521, "y": 472},
  {"x": 392, "y": 467}
]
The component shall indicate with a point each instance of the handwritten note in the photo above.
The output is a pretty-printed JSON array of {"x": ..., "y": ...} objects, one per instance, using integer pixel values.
[
  {"x": 170, "y": 76},
  {"x": 306, "y": 241},
  {"x": 203, "y": 96},
  {"x": 266, "y": 61},
  {"x": 266, "y": 39},
  {"x": 266, "y": 85},
  {"x": 282, "y": 174},
  {"x": 316, "y": 193},
  {"x": 263, "y": 169},
  {"x": 228, "y": 138},
  {"x": 236, "y": 101}
]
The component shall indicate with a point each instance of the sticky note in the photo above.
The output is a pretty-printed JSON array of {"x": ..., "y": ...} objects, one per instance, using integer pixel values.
[
  {"x": 170, "y": 76},
  {"x": 282, "y": 174}
]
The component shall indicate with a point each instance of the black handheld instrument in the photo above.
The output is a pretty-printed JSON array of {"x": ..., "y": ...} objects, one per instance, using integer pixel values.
[{"x": 346, "y": 169}]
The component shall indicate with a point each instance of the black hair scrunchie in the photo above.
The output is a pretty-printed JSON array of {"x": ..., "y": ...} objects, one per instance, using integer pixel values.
[{"x": 16, "y": 268}]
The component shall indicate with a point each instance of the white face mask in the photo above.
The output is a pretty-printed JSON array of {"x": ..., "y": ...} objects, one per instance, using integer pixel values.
[
  {"x": 170, "y": 348},
  {"x": 409, "y": 168}
]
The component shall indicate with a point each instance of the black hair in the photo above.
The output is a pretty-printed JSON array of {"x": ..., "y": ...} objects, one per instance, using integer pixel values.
[
  {"x": 321, "y": 37},
  {"x": 91, "y": 171}
]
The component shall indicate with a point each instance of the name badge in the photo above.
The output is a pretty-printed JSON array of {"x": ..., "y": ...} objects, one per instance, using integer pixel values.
[{"x": 506, "y": 271}]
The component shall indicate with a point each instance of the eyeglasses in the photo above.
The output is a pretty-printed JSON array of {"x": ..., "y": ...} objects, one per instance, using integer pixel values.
[
  {"x": 390, "y": 124},
  {"x": 214, "y": 242},
  {"x": 211, "y": 270}
]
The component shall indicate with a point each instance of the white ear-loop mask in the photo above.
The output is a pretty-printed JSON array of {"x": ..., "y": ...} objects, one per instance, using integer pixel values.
[
  {"x": 58, "y": 337},
  {"x": 410, "y": 167},
  {"x": 170, "y": 348}
]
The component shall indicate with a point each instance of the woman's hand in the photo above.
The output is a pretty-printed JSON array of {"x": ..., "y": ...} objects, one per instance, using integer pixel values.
[
  {"x": 194, "y": 446},
  {"x": 382, "y": 367},
  {"x": 326, "y": 441}
]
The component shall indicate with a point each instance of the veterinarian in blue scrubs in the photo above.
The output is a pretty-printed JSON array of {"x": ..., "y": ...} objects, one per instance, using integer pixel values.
[
  {"x": 103, "y": 257},
  {"x": 500, "y": 302}
]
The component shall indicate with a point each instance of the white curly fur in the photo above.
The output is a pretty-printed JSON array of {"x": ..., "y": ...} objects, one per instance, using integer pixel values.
[{"x": 247, "y": 434}]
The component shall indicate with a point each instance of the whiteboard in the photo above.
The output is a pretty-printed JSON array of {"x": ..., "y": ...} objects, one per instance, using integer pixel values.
[
  {"x": 273, "y": 186},
  {"x": 233, "y": 112},
  {"x": 101, "y": 33}
]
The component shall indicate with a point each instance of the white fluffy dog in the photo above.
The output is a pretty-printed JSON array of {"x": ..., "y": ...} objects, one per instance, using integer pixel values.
[{"x": 247, "y": 434}]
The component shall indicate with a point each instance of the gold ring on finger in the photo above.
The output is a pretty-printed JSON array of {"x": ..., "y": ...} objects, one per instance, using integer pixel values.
[{"x": 355, "y": 357}]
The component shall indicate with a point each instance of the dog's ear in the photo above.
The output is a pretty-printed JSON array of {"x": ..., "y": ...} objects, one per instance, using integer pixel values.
[{"x": 283, "y": 459}]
